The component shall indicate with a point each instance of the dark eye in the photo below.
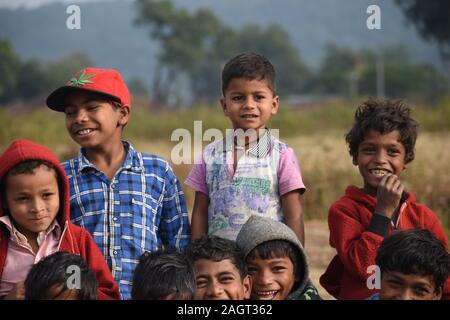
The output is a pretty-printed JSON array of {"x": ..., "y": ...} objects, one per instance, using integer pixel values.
[
  {"x": 93, "y": 107},
  {"x": 201, "y": 283},
  {"x": 393, "y": 152},
  {"x": 69, "y": 112},
  {"x": 421, "y": 291},
  {"x": 367, "y": 150},
  {"x": 226, "y": 279},
  {"x": 278, "y": 269},
  {"x": 236, "y": 98},
  {"x": 260, "y": 97},
  {"x": 22, "y": 199},
  {"x": 47, "y": 195}
]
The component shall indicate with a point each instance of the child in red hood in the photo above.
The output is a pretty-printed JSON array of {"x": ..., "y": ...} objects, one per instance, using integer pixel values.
[
  {"x": 34, "y": 219},
  {"x": 381, "y": 143}
]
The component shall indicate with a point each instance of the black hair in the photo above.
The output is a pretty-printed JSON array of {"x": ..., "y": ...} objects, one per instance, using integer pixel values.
[
  {"x": 56, "y": 269},
  {"x": 277, "y": 249},
  {"x": 163, "y": 273},
  {"x": 28, "y": 167},
  {"x": 414, "y": 251},
  {"x": 249, "y": 66},
  {"x": 217, "y": 249},
  {"x": 383, "y": 117}
]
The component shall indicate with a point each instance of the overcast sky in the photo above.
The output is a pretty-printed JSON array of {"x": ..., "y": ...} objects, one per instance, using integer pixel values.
[{"x": 31, "y": 4}]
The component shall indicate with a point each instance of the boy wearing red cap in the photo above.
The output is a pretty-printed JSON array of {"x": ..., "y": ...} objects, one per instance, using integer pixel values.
[
  {"x": 129, "y": 201},
  {"x": 34, "y": 220}
]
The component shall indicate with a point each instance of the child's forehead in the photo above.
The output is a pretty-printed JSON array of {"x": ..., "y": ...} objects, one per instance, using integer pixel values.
[
  {"x": 216, "y": 266},
  {"x": 410, "y": 278},
  {"x": 246, "y": 84},
  {"x": 376, "y": 135}
]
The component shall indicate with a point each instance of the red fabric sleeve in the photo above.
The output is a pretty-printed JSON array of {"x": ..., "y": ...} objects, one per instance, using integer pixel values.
[
  {"x": 107, "y": 288},
  {"x": 355, "y": 245}
]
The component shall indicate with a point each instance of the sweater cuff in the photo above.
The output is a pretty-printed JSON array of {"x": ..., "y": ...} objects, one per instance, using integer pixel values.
[{"x": 379, "y": 225}]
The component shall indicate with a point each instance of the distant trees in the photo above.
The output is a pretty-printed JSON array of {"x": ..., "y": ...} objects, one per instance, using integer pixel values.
[
  {"x": 23, "y": 79},
  {"x": 198, "y": 44},
  {"x": 432, "y": 19},
  {"x": 343, "y": 67}
]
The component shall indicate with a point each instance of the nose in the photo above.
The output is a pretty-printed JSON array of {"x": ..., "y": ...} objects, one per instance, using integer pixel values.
[
  {"x": 81, "y": 116},
  {"x": 406, "y": 294},
  {"x": 37, "y": 205},
  {"x": 249, "y": 102},
  {"x": 262, "y": 278},
  {"x": 214, "y": 289},
  {"x": 380, "y": 157}
]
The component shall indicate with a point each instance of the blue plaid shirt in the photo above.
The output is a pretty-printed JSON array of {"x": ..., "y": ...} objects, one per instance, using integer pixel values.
[{"x": 142, "y": 209}]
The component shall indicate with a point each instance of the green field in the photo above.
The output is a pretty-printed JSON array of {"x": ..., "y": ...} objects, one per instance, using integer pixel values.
[{"x": 315, "y": 133}]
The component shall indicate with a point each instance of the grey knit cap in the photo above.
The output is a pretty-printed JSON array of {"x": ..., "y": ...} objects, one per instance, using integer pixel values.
[{"x": 258, "y": 229}]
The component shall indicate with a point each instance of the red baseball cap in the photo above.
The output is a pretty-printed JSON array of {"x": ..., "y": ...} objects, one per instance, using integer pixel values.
[{"x": 107, "y": 82}]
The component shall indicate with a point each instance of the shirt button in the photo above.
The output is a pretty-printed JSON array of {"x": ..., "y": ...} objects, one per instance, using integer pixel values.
[
  {"x": 113, "y": 185},
  {"x": 114, "y": 252},
  {"x": 115, "y": 218}
]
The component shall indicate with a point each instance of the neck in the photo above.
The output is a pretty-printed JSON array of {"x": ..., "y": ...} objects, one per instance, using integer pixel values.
[{"x": 108, "y": 159}]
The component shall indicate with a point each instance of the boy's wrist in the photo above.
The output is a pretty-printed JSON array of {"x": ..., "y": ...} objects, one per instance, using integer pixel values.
[{"x": 379, "y": 225}]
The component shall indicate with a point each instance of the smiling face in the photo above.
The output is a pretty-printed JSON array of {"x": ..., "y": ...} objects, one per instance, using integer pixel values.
[
  {"x": 33, "y": 200},
  {"x": 220, "y": 280},
  {"x": 399, "y": 286},
  {"x": 272, "y": 279},
  {"x": 92, "y": 121},
  {"x": 249, "y": 103},
  {"x": 379, "y": 154}
]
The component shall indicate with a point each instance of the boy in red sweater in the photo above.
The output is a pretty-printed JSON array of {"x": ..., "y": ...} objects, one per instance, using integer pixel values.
[
  {"x": 381, "y": 143},
  {"x": 34, "y": 220}
]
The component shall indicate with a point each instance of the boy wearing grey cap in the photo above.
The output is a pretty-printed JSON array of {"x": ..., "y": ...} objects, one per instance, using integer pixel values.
[{"x": 276, "y": 261}]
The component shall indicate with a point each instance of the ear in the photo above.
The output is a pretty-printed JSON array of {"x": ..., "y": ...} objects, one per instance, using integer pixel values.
[
  {"x": 124, "y": 115},
  {"x": 275, "y": 105},
  {"x": 354, "y": 161},
  {"x": 224, "y": 106},
  {"x": 247, "y": 283}
]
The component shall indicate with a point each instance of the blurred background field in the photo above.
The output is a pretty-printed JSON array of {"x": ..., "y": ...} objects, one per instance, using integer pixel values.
[
  {"x": 171, "y": 53},
  {"x": 315, "y": 133}
]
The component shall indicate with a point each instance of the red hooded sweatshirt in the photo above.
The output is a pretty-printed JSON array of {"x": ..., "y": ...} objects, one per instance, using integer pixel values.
[
  {"x": 73, "y": 238},
  {"x": 356, "y": 245}
]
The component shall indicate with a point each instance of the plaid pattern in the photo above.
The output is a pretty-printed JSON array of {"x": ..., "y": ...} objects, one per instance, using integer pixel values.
[{"x": 142, "y": 209}]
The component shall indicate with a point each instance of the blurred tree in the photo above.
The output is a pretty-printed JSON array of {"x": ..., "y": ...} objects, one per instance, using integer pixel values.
[
  {"x": 198, "y": 45},
  {"x": 185, "y": 39},
  {"x": 334, "y": 73},
  {"x": 402, "y": 78},
  {"x": 432, "y": 20},
  {"x": 32, "y": 79},
  {"x": 137, "y": 87},
  {"x": 10, "y": 64},
  {"x": 274, "y": 43},
  {"x": 58, "y": 72}
]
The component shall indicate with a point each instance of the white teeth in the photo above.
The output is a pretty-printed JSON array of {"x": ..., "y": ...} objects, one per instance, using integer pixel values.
[
  {"x": 378, "y": 172},
  {"x": 84, "y": 131}
]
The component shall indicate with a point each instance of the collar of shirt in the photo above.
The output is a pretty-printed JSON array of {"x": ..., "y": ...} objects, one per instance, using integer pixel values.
[
  {"x": 260, "y": 149},
  {"x": 133, "y": 160},
  {"x": 20, "y": 239}
]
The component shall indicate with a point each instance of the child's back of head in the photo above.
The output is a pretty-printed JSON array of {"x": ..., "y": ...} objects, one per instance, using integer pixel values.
[
  {"x": 61, "y": 276},
  {"x": 163, "y": 276},
  {"x": 414, "y": 264}
]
